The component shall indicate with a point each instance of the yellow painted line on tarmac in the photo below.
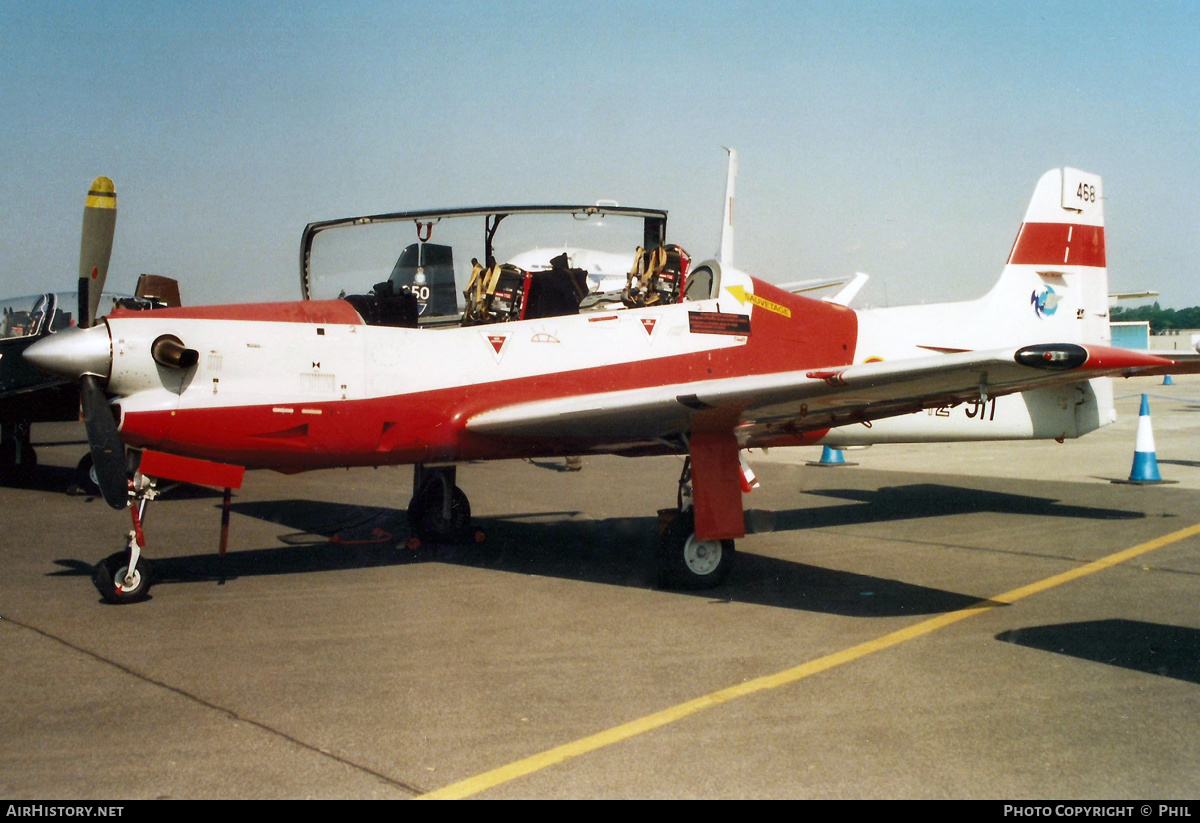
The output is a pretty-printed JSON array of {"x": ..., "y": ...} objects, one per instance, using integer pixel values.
[{"x": 482, "y": 782}]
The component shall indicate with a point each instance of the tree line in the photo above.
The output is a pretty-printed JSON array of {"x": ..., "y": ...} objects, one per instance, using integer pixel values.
[{"x": 1160, "y": 319}]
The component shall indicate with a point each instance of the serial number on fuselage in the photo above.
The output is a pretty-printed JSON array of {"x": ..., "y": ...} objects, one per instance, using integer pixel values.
[{"x": 976, "y": 409}]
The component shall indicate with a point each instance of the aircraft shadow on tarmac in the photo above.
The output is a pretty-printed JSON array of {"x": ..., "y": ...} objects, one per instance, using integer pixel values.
[
  {"x": 324, "y": 536},
  {"x": 614, "y": 551},
  {"x": 918, "y": 500},
  {"x": 41, "y": 479},
  {"x": 1191, "y": 464},
  {"x": 61, "y": 480},
  {"x": 1153, "y": 648}
]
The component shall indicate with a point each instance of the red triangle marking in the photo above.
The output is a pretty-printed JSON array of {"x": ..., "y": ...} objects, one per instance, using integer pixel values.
[
  {"x": 497, "y": 341},
  {"x": 648, "y": 324}
]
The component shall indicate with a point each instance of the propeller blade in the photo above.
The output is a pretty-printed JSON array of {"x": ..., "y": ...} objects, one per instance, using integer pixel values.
[
  {"x": 108, "y": 453},
  {"x": 95, "y": 249}
]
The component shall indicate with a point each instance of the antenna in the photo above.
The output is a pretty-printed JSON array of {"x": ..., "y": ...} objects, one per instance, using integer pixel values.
[{"x": 725, "y": 250}]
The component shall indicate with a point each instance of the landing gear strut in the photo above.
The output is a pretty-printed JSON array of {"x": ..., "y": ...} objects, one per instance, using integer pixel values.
[
  {"x": 439, "y": 510},
  {"x": 17, "y": 457},
  {"x": 125, "y": 576},
  {"x": 686, "y": 561}
]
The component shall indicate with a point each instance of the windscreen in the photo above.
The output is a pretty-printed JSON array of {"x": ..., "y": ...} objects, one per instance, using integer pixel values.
[{"x": 22, "y": 316}]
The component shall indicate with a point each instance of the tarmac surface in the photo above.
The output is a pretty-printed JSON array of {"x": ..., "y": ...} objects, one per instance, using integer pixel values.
[{"x": 939, "y": 621}]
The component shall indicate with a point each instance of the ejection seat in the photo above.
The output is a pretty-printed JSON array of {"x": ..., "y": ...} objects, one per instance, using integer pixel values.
[
  {"x": 494, "y": 295},
  {"x": 556, "y": 291},
  {"x": 656, "y": 277}
]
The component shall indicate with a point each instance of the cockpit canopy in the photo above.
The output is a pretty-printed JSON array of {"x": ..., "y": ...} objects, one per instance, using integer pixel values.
[{"x": 438, "y": 257}]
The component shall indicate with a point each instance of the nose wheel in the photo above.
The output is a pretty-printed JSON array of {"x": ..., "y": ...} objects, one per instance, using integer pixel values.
[{"x": 117, "y": 583}]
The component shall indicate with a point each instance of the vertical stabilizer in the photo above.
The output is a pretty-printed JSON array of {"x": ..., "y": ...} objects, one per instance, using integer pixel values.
[
  {"x": 725, "y": 250},
  {"x": 1055, "y": 284}
]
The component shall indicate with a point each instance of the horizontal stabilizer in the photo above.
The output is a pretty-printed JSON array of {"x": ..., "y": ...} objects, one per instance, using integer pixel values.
[
  {"x": 850, "y": 291},
  {"x": 802, "y": 286}
]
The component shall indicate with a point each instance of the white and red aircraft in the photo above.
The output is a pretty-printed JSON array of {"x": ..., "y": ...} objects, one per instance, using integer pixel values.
[{"x": 700, "y": 360}]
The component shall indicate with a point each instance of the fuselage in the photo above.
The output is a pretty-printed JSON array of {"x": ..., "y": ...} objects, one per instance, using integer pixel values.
[{"x": 309, "y": 384}]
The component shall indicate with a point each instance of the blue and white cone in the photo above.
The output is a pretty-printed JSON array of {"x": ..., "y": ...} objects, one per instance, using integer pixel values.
[
  {"x": 831, "y": 457},
  {"x": 1167, "y": 381},
  {"x": 1145, "y": 461}
]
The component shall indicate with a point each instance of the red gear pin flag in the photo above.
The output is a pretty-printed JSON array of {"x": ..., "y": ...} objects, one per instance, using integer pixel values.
[{"x": 749, "y": 481}]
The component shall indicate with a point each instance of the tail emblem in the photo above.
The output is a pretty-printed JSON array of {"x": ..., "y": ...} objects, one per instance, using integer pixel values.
[{"x": 1046, "y": 303}]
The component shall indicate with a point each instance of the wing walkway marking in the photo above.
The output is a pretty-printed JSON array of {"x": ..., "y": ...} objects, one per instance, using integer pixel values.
[{"x": 529, "y": 765}]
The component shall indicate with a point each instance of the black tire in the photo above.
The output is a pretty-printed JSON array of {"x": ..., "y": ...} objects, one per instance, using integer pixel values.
[
  {"x": 425, "y": 517},
  {"x": 691, "y": 564},
  {"x": 111, "y": 570},
  {"x": 85, "y": 481}
]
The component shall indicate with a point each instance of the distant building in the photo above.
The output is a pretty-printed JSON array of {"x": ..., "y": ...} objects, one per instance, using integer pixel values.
[
  {"x": 1172, "y": 340},
  {"x": 1131, "y": 334}
]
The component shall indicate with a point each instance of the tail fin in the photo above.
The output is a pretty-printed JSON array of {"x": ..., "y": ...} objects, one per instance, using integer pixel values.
[
  {"x": 1055, "y": 284},
  {"x": 725, "y": 250}
]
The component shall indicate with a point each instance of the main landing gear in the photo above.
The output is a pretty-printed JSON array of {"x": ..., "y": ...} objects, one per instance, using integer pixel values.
[
  {"x": 439, "y": 509},
  {"x": 17, "y": 457},
  {"x": 85, "y": 481},
  {"x": 685, "y": 561}
]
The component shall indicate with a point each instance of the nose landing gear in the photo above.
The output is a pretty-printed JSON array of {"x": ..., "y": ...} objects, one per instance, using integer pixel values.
[{"x": 125, "y": 576}]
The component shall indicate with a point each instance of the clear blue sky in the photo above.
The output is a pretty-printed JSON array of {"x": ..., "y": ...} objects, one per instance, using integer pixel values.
[{"x": 902, "y": 139}]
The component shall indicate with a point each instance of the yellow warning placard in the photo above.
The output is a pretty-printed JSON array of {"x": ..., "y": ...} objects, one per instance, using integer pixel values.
[{"x": 742, "y": 296}]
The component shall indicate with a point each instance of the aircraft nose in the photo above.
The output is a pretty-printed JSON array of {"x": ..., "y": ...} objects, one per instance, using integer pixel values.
[{"x": 74, "y": 352}]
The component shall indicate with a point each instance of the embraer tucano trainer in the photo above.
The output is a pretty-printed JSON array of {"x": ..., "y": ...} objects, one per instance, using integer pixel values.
[{"x": 688, "y": 357}]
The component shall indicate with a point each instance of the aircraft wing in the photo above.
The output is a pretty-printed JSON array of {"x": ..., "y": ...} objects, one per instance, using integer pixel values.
[{"x": 815, "y": 399}]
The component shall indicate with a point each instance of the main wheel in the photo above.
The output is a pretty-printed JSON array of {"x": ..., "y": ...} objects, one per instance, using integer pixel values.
[
  {"x": 86, "y": 481},
  {"x": 109, "y": 577},
  {"x": 425, "y": 515},
  {"x": 691, "y": 563}
]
